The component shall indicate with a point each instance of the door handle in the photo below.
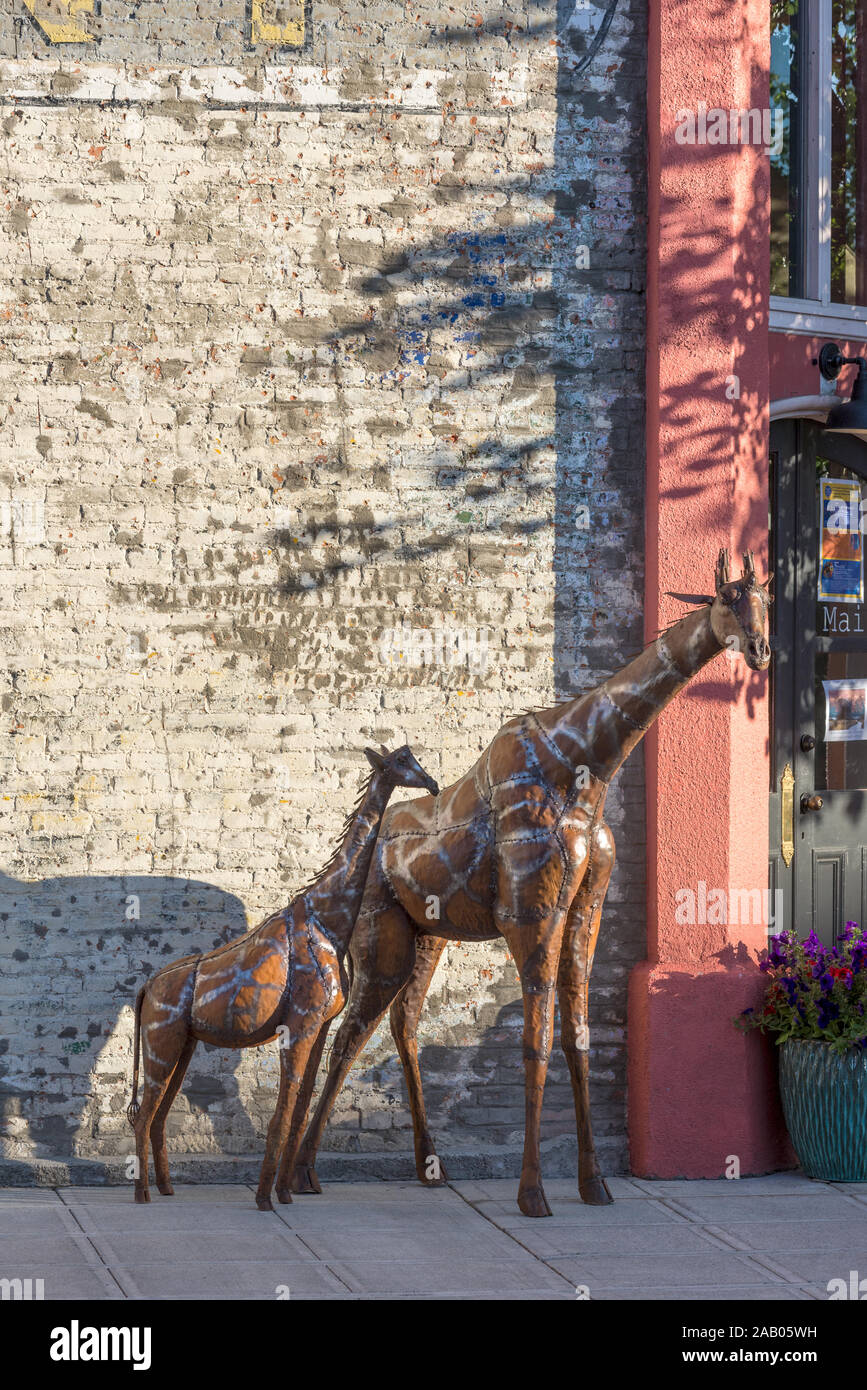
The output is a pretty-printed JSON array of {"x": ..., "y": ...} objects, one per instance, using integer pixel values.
[
  {"x": 787, "y": 815},
  {"x": 808, "y": 743},
  {"x": 811, "y": 803}
]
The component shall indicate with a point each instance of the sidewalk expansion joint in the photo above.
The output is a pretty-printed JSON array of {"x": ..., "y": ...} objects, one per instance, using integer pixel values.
[{"x": 506, "y": 1232}]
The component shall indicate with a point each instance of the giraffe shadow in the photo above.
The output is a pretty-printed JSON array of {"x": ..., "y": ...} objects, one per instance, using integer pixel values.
[{"x": 74, "y": 952}]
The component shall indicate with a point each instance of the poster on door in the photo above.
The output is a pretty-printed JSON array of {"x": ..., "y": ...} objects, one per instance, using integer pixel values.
[
  {"x": 841, "y": 559},
  {"x": 845, "y": 711}
]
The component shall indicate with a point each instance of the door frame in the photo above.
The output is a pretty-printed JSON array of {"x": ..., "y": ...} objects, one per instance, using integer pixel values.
[{"x": 793, "y": 557}]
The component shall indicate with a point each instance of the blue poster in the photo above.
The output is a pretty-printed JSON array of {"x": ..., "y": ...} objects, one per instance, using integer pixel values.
[{"x": 841, "y": 567}]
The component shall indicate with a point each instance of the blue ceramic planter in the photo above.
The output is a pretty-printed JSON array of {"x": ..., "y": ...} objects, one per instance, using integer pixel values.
[{"x": 824, "y": 1097}]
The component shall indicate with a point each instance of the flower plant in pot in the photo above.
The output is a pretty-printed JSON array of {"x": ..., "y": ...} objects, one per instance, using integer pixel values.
[{"x": 815, "y": 1007}]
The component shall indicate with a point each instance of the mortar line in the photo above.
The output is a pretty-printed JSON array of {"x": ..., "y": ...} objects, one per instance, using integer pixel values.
[{"x": 211, "y": 104}]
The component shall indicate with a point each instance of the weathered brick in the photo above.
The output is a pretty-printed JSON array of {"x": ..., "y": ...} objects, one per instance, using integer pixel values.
[{"x": 295, "y": 349}]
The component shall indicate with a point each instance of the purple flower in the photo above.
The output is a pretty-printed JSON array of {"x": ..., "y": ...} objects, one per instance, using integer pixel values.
[
  {"x": 828, "y": 1011},
  {"x": 775, "y": 954},
  {"x": 812, "y": 946}
]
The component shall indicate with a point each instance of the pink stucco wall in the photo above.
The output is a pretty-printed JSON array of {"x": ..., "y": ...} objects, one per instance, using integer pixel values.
[
  {"x": 699, "y": 1091},
  {"x": 793, "y": 372}
]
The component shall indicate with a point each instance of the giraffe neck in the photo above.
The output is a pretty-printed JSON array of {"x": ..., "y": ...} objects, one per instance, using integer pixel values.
[
  {"x": 600, "y": 729},
  {"x": 335, "y": 895}
]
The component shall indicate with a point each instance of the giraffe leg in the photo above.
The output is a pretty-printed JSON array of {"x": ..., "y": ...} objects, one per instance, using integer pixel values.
[
  {"x": 536, "y": 952},
  {"x": 293, "y": 1063},
  {"x": 352, "y": 1035},
  {"x": 404, "y": 1016},
  {"x": 158, "y": 1125},
  {"x": 159, "y": 1068},
  {"x": 573, "y": 979},
  {"x": 165, "y": 1034},
  {"x": 383, "y": 954},
  {"x": 299, "y": 1115}
]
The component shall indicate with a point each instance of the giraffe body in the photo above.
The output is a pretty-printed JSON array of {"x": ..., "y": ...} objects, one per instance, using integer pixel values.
[
  {"x": 507, "y": 842},
  {"x": 239, "y": 994}
]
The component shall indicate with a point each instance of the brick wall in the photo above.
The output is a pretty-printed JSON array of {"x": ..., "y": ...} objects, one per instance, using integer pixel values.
[{"x": 300, "y": 346}]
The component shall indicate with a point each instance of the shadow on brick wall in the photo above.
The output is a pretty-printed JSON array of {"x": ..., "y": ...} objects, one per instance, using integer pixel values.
[
  {"x": 64, "y": 1085},
  {"x": 473, "y": 1077},
  {"x": 564, "y": 335}
]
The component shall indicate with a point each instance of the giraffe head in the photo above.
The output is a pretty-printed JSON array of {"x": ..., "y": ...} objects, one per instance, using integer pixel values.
[
  {"x": 401, "y": 768},
  {"x": 739, "y": 612}
]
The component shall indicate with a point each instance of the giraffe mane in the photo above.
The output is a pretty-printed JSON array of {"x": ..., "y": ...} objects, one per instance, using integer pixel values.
[
  {"x": 663, "y": 631},
  {"x": 341, "y": 838}
]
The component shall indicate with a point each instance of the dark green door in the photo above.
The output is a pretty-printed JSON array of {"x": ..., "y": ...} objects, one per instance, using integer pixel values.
[{"x": 818, "y": 803}]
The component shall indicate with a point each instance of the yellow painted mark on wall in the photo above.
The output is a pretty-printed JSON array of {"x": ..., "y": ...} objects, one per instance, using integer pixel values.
[
  {"x": 278, "y": 21},
  {"x": 55, "y": 19}
]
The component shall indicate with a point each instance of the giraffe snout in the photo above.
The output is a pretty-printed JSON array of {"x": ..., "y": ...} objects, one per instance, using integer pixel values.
[{"x": 758, "y": 653}]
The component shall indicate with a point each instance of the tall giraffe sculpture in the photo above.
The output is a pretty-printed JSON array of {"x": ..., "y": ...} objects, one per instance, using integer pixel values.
[
  {"x": 519, "y": 848},
  {"x": 283, "y": 979}
]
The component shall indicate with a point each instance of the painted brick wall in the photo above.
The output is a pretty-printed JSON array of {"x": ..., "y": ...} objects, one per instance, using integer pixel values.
[{"x": 298, "y": 348}]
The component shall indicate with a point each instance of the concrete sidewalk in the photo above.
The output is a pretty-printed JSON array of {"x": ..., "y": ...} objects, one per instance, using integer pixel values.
[{"x": 778, "y": 1237}]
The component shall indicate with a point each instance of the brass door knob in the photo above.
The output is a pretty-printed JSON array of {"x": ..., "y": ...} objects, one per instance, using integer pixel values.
[{"x": 811, "y": 803}]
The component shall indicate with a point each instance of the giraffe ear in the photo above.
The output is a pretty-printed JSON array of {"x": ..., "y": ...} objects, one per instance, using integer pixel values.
[
  {"x": 690, "y": 598},
  {"x": 376, "y": 760}
]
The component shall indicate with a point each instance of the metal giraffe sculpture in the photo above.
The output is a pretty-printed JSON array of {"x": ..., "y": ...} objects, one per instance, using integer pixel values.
[
  {"x": 285, "y": 978},
  {"x": 518, "y": 848}
]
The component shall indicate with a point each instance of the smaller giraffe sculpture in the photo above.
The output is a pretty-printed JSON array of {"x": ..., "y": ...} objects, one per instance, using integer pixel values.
[{"x": 283, "y": 979}]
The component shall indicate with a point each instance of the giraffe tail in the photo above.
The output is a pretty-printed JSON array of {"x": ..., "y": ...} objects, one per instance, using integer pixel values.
[{"x": 133, "y": 1107}]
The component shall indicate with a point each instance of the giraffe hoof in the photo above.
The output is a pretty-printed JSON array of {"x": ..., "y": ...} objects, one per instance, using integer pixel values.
[
  {"x": 284, "y": 1195},
  {"x": 595, "y": 1192},
  {"x": 141, "y": 1195},
  {"x": 167, "y": 1190},
  {"x": 533, "y": 1202},
  {"x": 304, "y": 1179},
  {"x": 264, "y": 1204}
]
